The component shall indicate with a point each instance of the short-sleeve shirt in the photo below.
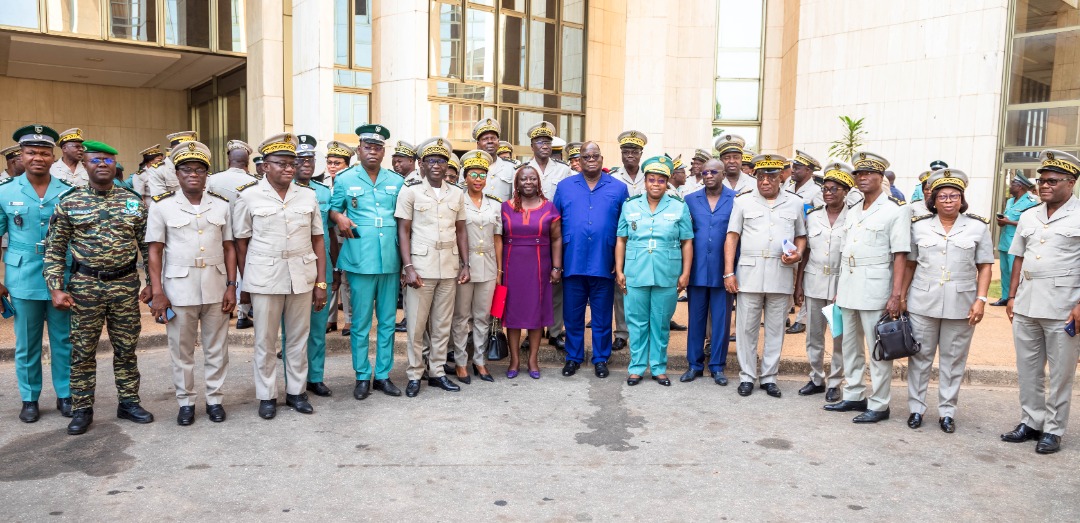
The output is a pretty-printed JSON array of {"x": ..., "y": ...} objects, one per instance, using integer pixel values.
[
  {"x": 1050, "y": 245},
  {"x": 434, "y": 218},
  {"x": 193, "y": 264},
  {"x": 590, "y": 219}
]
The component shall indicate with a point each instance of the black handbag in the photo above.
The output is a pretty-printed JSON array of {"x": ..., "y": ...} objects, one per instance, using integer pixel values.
[
  {"x": 497, "y": 347},
  {"x": 894, "y": 338}
]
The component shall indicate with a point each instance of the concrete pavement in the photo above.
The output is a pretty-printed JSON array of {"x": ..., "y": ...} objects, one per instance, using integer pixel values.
[{"x": 563, "y": 449}]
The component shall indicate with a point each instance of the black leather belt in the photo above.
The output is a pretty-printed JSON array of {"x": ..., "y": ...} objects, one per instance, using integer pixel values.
[{"x": 103, "y": 275}]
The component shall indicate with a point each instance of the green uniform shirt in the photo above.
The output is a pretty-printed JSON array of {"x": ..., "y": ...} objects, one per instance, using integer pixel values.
[
  {"x": 653, "y": 240},
  {"x": 371, "y": 207}
]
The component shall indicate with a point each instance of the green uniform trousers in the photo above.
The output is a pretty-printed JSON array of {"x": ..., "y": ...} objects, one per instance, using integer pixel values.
[
  {"x": 648, "y": 319},
  {"x": 373, "y": 294},
  {"x": 114, "y": 305},
  {"x": 30, "y": 319}
]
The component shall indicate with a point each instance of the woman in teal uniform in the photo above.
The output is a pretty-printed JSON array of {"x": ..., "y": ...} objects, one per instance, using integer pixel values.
[{"x": 653, "y": 256}]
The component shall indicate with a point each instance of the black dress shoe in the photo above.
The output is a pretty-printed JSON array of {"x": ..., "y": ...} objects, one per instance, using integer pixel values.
[
  {"x": 1049, "y": 444},
  {"x": 331, "y": 327},
  {"x": 832, "y": 395},
  {"x": 796, "y": 328},
  {"x": 947, "y": 424},
  {"x": 588, "y": 324},
  {"x": 663, "y": 381},
  {"x": 719, "y": 379},
  {"x": 1021, "y": 434},
  {"x": 483, "y": 377},
  {"x": 683, "y": 298},
  {"x": 443, "y": 383},
  {"x": 914, "y": 421},
  {"x": 267, "y": 409},
  {"x": 673, "y": 326},
  {"x": 387, "y": 387},
  {"x": 810, "y": 389},
  {"x": 871, "y": 416},
  {"x": 559, "y": 342},
  {"x": 846, "y": 406},
  {"x": 1000, "y": 303},
  {"x": 570, "y": 368},
  {"x": 186, "y": 416},
  {"x": 80, "y": 421},
  {"x": 731, "y": 338},
  {"x": 691, "y": 375},
  {"x": 771, "y": 389},
  {"x": 466, "y": 380},
  {"x": 64, "y": 406},
  {"x": 618, "y": 344},
  {"x": 319, "y": 389},
  {"x": 401, "y": 326},
  {"x": 130, "y": 410},
  {"x": 746, "y": 388},
  {"x": 633, "y": 380},
  {"x": 346, "y": 332},
  {"x": 244, "y": 323},
  {"x": 413, "y": 388},
  {"x": 600, "y": 369},
  {"x": 299, "y": 402},
  {"x": 362, "y": 389},
  {"x": 216, "y": 413},
  {"x": 29, "y": 412}
]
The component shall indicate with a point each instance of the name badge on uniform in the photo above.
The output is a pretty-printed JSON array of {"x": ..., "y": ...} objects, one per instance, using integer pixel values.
[
  {"x": 391, "y": 188},
  {"x": 131, "y": 207},
  {"x": 16, "y": 203},
  {"x": 78, "y": 212},
  {"x": 671, "y": 216},
  {"x": 633, "y": 215}
]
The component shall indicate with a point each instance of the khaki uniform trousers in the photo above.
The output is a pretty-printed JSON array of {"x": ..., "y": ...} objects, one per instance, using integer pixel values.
[
  {"x": 271, "y": 312},
  {"x": 620, "y": 318},
  {"x": 473, "y": 304},
  {"x": 858, "y": 329},
  {"x": 817, "y": 332},
  {"x": 430, "y": 309},
  {"x": 1040, "y": 343},
  {"x": 953, "y": 338},
  {"x": 556, "y": 328},
  {"x": 182, "y": 331},
  {"x": 750, "y": 307}
]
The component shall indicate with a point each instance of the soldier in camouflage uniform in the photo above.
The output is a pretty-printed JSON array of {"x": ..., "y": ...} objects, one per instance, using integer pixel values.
[{"x": 104, "y": 227}]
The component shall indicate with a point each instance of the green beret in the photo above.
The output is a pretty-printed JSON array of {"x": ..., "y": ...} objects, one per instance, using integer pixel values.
[{"x": 99, "y": 147}]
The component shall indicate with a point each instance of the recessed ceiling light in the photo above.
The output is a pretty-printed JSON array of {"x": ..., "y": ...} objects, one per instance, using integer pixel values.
[{"x": 90, "y": 59}]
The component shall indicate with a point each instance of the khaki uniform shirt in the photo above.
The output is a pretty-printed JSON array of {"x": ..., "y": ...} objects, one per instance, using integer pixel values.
[
  {"x": 872, "y": 237},
  {"x": 810, "y": 192},
  {"x": 762, "y": 229},
  {"x": 945, "y": 281},
  {"x": 1050, "y": 282},
  {"x": 161, "y": 178},
  {"x": 825, "y": 241},
  {"x": 635, "y": 186},
  {"x": 193, "y": 268},
  {"x": 79, "y": 178},
  {"x": 500, "y": 179},
  {"x": 434, "y": 227},
  {"x": 280, "y": 257},
  {"x": 918, "y": 208},
  {"x": 745, "y": 183},
  {"x": 483, "y": 223},
  {"x": 556, "y": 172},
  {"x": 228, "y": 181}
]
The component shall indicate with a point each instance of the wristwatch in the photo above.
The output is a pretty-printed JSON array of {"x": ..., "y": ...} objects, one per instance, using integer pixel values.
[
  {"x": 229, "y": 283},
  {"x": 321, "y": 285},
  {"x": 983, "y": 299}
]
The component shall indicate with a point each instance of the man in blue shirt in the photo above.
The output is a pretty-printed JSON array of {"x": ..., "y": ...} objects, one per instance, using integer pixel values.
[
  {"x": 1020, "y": 201},
  {"x": 590, "y": 203}
]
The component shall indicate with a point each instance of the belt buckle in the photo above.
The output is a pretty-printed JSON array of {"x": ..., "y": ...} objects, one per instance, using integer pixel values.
[
  {"x": 652, "y": 245},
  {"x": 851, "y": 264},
  {"x": 827, "y": 271},
  {"x": 200, "y": 263},
  {"x": 378, "y": 222},
  {"x": 1027, "y": 275},
  {"x": 39, "y": 247},
  {"x": 946, "y": 276}
]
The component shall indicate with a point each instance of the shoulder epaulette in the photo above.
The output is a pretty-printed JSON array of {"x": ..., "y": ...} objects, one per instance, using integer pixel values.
[
  {"x": 818, "y": 208},
  {"x": 320, "y": 183},
  {"x": 212, "y": 193},
  {"x": 395, "y": 172},
  {"x": 675, "y": 197},
  {"x": 748, "y": 191},
  {"x": 897, "y": 201},
  {"x": 132, "y": 191},
  {"x": 65, "y": 182},
  {"x": 516, "y": 162},
  {"x": 634, "y": 197},
  {"x": 69, "y": 192},
  {"x": 246, "y": 185},
  {"x": 977, "y": 217},
  {"x": 162, "y": 196},
  {"x": 410, "y": 183},
  {"x": 7, "y": 180},
  {"x": 560, "y": 161},
  {"x": 496, "y": 198},
  {"x": 156, "y": 163},
  {"x": 921, "y": 217},
  {"x": 613, "y": 170}
]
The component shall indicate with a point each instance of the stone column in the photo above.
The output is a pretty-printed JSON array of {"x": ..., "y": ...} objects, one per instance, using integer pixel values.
[
  {"x": 265, "y": 73},
  {"x": 313, "y": 72},
  {"x": 399, "y": 66}
]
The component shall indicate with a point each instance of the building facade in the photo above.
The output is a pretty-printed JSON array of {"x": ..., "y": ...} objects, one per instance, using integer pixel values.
[{"x": 981, "y": 84}]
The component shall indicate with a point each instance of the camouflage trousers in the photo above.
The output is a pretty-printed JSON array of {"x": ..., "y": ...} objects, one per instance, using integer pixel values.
[{"x": 115, "y": 305}]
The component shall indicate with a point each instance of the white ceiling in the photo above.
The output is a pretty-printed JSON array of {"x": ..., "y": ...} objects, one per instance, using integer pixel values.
[{"x": 102, "y": 63}]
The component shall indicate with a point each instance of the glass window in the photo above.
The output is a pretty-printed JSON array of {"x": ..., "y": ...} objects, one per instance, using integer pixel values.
[
  {"x": 516, "y": 5},
  {"x": 512, "y": 44},
  {"x": 574, "y": 11},
  {"x": 20, "y": 13},
  {"x": 1045, "y": 68},
  {"x": 230, "y": 19},
  {"x": 362, "y": 33},
  {"x": 447, "y": 48},
  {"x": 133, "y": 20},
  {"x": 341, "y": 33},
  {"x": 187, "y": 23},
  {"x": 455, "y": 121},
  {"x": 541, "y": 55},
  {"x": 1057, "y": 127},
  {"x": 480, "y": 46},
  {"x": 737, "y": 100},
  {"x": 351, "y": 111},
  {"x": 74, "y": 16},
  {"x": 573, "y": 59},
  {"x": 738, "y": 63},
  {"x": 544, "y": 8},
  {"x": 1040, "y": 15}
]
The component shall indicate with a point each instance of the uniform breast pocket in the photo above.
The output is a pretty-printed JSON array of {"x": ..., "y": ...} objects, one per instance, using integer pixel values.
[
  {"x": 17, "y": 214},
  {"x": 420, "y": 250},
  {"x": 299, "y": 219},
  {"x": 454, "y": 205},
  {"x": 263, "y": 215},
  {"x": 422, "y": 207},
  {"x": 752, "y": 215},
  {"x": 216, "y": 220},
  {"x": 1068, "y": 232},
  {"x": 83, "y": 222}
]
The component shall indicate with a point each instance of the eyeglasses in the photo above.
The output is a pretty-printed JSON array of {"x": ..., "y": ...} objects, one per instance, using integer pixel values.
[
  {"x": 1052, "y": 182},
  {"x": 435, "y": 161},
  {"x": 656, "y": 180},
  {"x": 283, "y": 165},
  {"x": 830, "y": 190},
  {"x": 305, "y": 161},
  {"x": 98, "y": 161},
  {"x": 590, "y": 157},
  {"x": 192, "y": 170},
  {"x": 710, "y": 172},
  {"x": 951, "y": 197}
]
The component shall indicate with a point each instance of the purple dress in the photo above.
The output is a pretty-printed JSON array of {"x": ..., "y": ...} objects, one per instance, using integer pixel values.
[{"x": 527, "y": 265}]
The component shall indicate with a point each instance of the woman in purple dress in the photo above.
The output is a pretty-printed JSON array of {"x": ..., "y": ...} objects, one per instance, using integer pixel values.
[{"x": 532, "y": 261}]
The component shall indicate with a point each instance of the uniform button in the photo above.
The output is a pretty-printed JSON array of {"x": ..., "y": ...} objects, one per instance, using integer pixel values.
[
  {"x": 826, "y": 253},
  {"x": 1045, "y": 226},
  {"x": 1038, "y": 257},
  {"x": 380, "y": 235},
  {"x": 1042, "y": 240},
  {"x": 198, "y": 216},
  {"x": 288, "y": 237},
  {"x": 200, "y": 231},
  {"x": 202, "y": 248},
  {"x": 376, "y": 205}
]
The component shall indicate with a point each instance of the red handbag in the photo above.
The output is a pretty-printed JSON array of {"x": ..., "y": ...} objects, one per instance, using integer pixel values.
[{"x": 498, "y": 302}]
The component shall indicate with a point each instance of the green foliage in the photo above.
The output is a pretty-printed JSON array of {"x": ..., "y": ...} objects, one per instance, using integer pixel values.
[{"x": 852, "y": 140}]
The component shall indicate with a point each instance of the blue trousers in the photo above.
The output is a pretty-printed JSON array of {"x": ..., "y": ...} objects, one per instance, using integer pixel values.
[
  {"x": 599, "y": 294},
  {"x": 705, "y": 303},
  {"x": 30, "y": 319}
]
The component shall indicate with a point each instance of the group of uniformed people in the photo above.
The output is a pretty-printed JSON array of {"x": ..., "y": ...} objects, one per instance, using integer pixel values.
[{"x": 755, "y": 230}]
